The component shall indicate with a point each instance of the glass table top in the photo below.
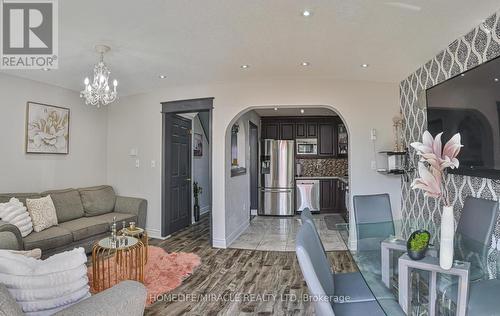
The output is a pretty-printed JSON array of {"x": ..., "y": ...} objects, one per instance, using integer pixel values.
[
  {"x": 122, "y": 242},
  {"x": 368, "y": 259}
]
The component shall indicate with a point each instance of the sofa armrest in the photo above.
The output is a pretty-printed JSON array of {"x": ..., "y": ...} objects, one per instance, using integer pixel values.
[
  {"x": 128, "y": 298},
  {"x": 10, "y": 237},
  {"x": 134, "y": 206}
]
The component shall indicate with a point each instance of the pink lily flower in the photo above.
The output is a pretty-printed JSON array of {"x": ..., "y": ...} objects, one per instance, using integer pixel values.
[
  {"x": 432, "y": 151},
  {"x": 430, "y": 144},
  {"x": 429, "y": 182},
  {"x": 451, "y": 150}
]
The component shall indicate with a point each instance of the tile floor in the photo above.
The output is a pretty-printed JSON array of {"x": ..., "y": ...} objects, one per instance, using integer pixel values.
[{"x": 268, "y": 233}]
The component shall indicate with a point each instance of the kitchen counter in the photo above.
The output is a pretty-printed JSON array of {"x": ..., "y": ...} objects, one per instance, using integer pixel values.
[{"x": 343, "y": 179}]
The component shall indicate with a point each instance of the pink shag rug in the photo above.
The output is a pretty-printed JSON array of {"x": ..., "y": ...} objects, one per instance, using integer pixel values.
[{"x": 163, "y": 271}]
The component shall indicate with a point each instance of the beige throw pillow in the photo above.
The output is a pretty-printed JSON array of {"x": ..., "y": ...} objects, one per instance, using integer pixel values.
[{"x": 42, "y": 212}]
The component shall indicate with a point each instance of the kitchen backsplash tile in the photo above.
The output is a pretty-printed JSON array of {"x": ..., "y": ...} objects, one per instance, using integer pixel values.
[{"x": 323, "y": 167}]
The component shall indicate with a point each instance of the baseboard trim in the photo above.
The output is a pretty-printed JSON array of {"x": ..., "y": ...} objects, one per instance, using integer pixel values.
[
  {"x": 234, "y": 235},
  {"x": 219, "y": 243},
  {"x": 224, "y": 243},
  {"x": 156, "y": 233}
]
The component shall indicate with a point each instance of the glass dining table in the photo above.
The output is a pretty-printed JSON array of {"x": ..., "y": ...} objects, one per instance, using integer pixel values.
[{"x": 403, "y": 286}]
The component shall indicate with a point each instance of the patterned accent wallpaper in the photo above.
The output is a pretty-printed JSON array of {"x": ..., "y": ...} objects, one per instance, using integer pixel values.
[
  {"x": 323, "y": 167},
  {"x": 476, "y": 47}
]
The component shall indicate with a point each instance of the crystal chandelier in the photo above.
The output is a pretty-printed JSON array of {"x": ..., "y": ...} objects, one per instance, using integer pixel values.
[{"x": 98, "y": 92}]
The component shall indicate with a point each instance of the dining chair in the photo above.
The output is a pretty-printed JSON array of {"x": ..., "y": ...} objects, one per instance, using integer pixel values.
[
  {"x": 350, "y": 284},
  {"x": 328, "y": 299},
  {"x": 373, "y": 218},
  {"x": 474, "y": 231}
]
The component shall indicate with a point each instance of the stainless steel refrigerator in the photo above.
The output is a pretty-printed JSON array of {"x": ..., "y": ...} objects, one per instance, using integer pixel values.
[{"x": 277, "y": 178}]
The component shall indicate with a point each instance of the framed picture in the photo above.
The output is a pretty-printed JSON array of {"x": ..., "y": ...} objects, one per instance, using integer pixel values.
[
  {"x": 47, "y": 129},
  {"x": 198, "y": 144}
]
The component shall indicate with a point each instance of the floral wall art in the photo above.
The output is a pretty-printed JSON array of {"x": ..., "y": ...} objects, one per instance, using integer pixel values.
[{"x": 47, "y": 129}]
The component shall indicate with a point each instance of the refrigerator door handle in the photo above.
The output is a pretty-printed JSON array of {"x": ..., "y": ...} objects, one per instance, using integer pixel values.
[{"x": 277, "y": 190}]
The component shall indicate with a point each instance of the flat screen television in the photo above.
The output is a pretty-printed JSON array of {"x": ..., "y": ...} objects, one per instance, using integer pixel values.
[{"x": 470, "y": 105}]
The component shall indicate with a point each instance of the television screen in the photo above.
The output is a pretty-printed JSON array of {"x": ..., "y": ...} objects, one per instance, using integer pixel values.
[{"x": 469, "y": 104}]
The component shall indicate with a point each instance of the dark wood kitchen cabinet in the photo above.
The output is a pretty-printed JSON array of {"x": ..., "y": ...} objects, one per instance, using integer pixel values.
[
  {"x": 300, "y": 130},
  {"x": 332, "y": 196},
  {"x": 270, "y": 130},
  {"x": 287, "y": 131},
  {"x": 306, "y": 130},
  {"x": 327, "y": 196},
  {"x": 326, "y": 139},
  {"x": 329, "y": 131},
  {"x": 312, "y": 130}
]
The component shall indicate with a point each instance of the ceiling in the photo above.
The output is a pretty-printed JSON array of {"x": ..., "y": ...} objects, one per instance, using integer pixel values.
[
  {"x": 199, "y": 41},
  {"x": 295, "y": 112}
]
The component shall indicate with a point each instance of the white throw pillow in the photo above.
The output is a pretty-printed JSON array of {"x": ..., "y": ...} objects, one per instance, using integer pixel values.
[
  {"x": 42, "y": 212},
  {"x": 33, "y": 253},
  {"x": 44, "y": 286},
  {"x": 15, "y": 213}
]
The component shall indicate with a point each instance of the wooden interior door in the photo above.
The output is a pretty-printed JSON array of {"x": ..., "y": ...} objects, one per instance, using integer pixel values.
[{"x": 178, "y": 169}]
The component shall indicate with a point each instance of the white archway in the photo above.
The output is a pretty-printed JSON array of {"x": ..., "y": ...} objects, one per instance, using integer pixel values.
[{"x": 231, "y": 188}]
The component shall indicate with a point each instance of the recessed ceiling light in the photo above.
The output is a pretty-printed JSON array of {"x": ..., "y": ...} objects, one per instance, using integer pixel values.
[
  {"x": 306, "y": 13},
  {"x": 244, "y": 66},
  {"x": 496, "y": 79},
  {"x": 302, "y": 111},
  {"x": 365, "y": 65},
  {"x": 276, "y": 109},
  {"x": 162, "y": 76},
  {"x": 462, "y": 75},
  {"x": 305, "y": 63}
]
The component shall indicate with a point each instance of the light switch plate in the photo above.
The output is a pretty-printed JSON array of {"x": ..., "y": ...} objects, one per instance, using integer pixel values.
[
  {"x": 153, "y": 163},
  {"x": 137, "y": 163}
]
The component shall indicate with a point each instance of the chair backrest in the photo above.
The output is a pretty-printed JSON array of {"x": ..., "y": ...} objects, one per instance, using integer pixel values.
[
  {"x": 478, "y": 219},
  {"x": 307, "y": 219},
  {"x": 306, "y": 214},
  {"x": 315, "y": 268},
  {"x": 372, "y": 209}
]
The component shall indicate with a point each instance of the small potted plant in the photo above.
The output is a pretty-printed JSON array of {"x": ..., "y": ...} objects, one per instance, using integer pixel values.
[
  {"x": 197, "y": 190},
  {"x": 417, "y": 244}
]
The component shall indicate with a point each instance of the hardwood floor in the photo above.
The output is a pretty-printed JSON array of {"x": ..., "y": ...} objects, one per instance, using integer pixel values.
[{"x": 229, "y": 277}]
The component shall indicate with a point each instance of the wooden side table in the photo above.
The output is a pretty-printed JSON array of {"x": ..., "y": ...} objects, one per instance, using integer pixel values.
[
  {"x": 142, "y": 235},
  {"x": 114, "y": 263},
  {"x": 431, "y": 264}
]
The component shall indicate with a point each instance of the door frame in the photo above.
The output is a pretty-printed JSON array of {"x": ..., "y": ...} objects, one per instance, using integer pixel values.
[
  {"x": 251, "y": 126},
  {"x": 178, "y": 107}
]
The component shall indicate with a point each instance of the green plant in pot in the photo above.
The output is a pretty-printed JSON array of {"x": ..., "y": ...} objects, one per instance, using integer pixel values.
[
  {"x": 417, "y": 244},
  {"x": 197, "y": 190}
]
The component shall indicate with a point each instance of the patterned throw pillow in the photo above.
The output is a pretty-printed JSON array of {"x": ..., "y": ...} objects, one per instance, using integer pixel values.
[{"x": 42, "y": 212}]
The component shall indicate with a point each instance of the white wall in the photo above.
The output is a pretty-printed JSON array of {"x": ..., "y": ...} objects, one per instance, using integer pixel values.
[
  {"x": 237, "y": 214},
  {"x": 85, "y": 165},
  {"x": 135, "y": 121}
]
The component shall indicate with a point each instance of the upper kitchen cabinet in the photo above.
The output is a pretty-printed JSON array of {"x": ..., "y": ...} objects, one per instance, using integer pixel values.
[
  {"x": 300, "y": 130},
  {"x": 312, "y": 130},
  {"x": 330, "y": 133},
  {"x": 306, "y": 130},
  {"x": 287, "y": 131},
  {"x": 326, "y": 139},
  {"x": 270, "y": 130}
]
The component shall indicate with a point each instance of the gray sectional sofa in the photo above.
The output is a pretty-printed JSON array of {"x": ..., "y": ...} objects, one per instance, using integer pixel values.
[{"x": 84, "y": 215}]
